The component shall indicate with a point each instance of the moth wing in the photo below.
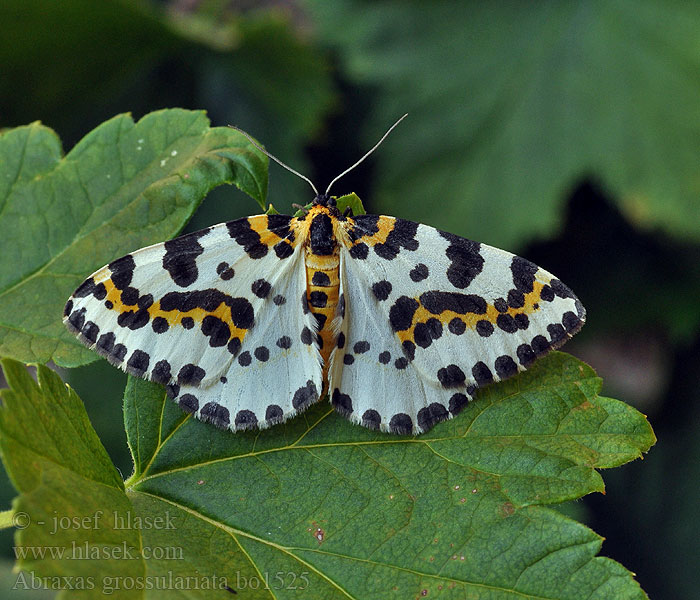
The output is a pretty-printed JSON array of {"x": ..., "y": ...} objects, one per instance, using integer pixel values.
[
  {"x": 430, "y": 316},
  {"x": 216, "y": 316}
]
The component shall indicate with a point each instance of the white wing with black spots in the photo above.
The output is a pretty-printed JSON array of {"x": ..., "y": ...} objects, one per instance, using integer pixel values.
[
  {"x": 216, "y": 316},
  {"x": 441, "y": 316}
]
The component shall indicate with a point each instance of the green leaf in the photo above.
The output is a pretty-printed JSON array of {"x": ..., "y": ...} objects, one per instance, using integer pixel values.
[
  {"x": 351, "y": 201},
  {"x": 69, "y": 490},
  {"x": 379, "y": 515},
  {"x": 333, "y": 508},
  {"x": 124, "y": 186},
  {"x": 511, "y": 103}
]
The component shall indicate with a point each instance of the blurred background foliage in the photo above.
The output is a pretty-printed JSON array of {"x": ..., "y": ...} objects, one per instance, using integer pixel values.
[{"x": 568, "y": 132}]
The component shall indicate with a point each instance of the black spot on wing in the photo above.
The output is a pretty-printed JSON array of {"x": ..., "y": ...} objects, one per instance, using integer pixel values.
[
  {"x": 457, "y": 326},
  {"x": 371, "y": 419},
  {"x": 274, "y": 414},
  {"x": 437, "y": 302},
  {"x": 85, "y": 289},
  {"x": 401, "y": 424},
  {"x": 523, "y": 274},
  {"x": 214, "y": 413},
  {"x": 505, "y": 366},
  {"x": 341, "y": 402},
  {"x": 262, "y": 353},
  {"x": 261, "y": 288},
  {"x": 244, "y": 235},
  {"x": 451, "y": 376},
  {"x": 134, "y": 319},
  {"x": 361, "y": 347},
  {"x": 279, "y": 225},
  {"x": 465, "y": 257},
  {"x": 482, "y": 374},
  {"x": 122, "y": 271},
  {"x": 306, "y": 336},
  {"x": 118, "y": 353},
  {"x": 500, "y": 305},
  {"x": 419, "y": 272},
  {"x": 283, "y": 249},
  {"x": 225, "y": 271},
  {"x": 403, "y": 235},
  {"x": 359, "y": 251},
  {"x": 188, "y": 403},
  {"x": 89, "y": 287},
  {"x": 431, "y": 415},
  {"x": 190, "y": 374},
  {"x": 106, "y": 343},
  {"x": 364, "y": 225},
  {"x": 526, "y": 355},
  {"x": 560, "y": 289},
  {"x": 76, "y": 320},
  {"x": 516, "y": 299},
  {"x": 90, "y": 331},
  {"x": 401, "y": 313},
  {"x": 180, "y": 258},
  {"x": 572, "y": 323},
  {"x": 457, "y": 402},
  {"x": 245, "y": 419},
  {"x": 540, "y": 345},
  {"x": 305, "y": 396},
  {"x": 484, "y": 328},
  {"x": 129, "y": 296},
  {"x": 234, "y": 346},
  {"x": 162, "y": 372},
  {"x": 506, "y": 323},
  {"x": 216, "y": 330},
  {"x": 138, "y": 363},
  {"x": 160, "y": 325},
  {"x": 381, "y": 289}
]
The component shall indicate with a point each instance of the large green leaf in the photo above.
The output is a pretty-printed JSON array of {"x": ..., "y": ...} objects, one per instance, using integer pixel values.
[
  {"x": 69, "y": 490},
  {"x": 125, "y": 185},
  {"x": 511, "y": 103},
  {"x": 340, "y": 510}
]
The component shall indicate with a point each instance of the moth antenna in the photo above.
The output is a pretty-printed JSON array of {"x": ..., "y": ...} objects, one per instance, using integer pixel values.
[
  {"x": 277, "y": 160},
  {"x": 350, "y": 168}
]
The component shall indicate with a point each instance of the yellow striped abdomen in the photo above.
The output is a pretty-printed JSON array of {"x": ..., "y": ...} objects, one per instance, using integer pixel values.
[{"x": 322, "y": 283}]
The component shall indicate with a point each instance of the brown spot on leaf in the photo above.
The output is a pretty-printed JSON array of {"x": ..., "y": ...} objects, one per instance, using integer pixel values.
[{"x": 507, "y": 509}]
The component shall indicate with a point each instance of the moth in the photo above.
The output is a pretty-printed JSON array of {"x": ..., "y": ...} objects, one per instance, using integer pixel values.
[{"x": 247, "y": 323}]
